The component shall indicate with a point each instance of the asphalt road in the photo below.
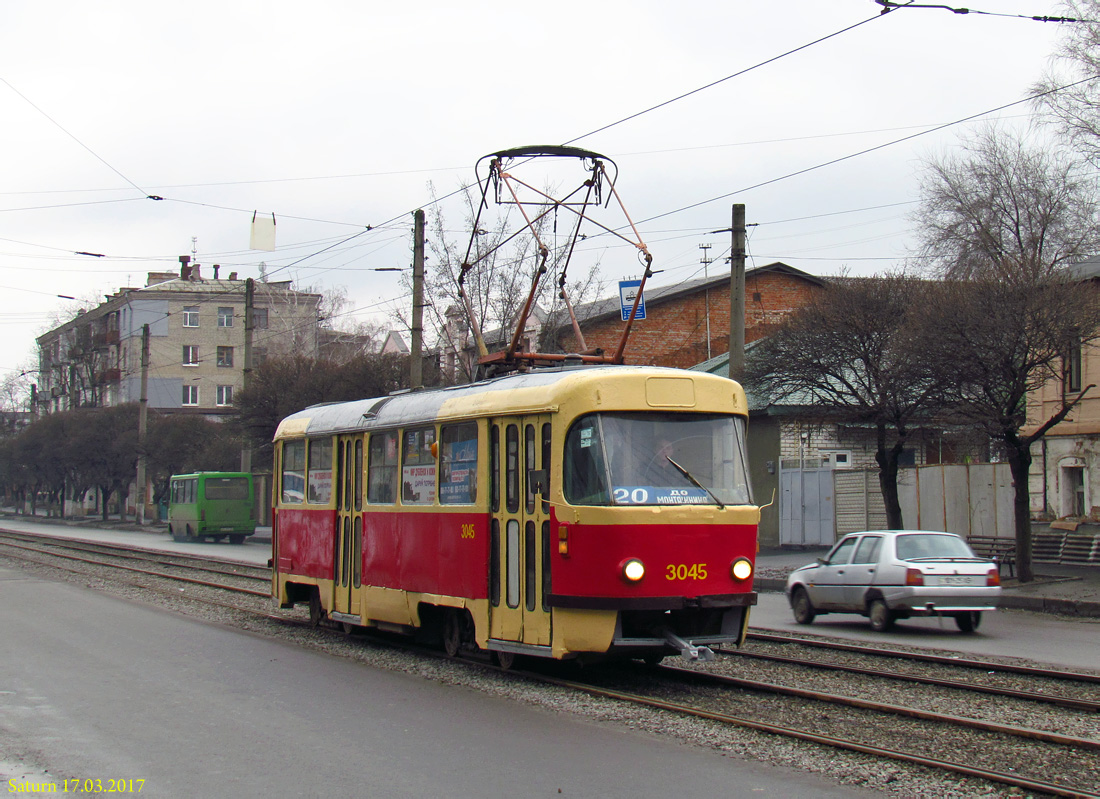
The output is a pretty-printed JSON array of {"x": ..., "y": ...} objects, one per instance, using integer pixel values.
[
  {"x": 1062, "y": 641},
  {"x": 95, "y": 687}
]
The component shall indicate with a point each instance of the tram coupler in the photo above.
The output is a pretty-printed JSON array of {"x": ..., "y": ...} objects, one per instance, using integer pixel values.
[{"x": 688, "y": 651}]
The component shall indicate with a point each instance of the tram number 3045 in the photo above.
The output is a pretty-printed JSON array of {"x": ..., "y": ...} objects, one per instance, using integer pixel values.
[
  {"x": 686, "y": 571},
  {"x": 467, "y": 531}
]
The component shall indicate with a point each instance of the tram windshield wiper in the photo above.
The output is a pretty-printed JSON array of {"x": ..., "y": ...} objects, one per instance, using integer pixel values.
[{"x": 695, "y": 482}]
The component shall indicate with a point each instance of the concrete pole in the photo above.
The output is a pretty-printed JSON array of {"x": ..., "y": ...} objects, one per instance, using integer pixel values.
[
  {"x": 737, "y": 294},
  {"x": 246, "y": 373},
  {"x": 143, "y": 424},
  {"x": 416, "y": 362}
]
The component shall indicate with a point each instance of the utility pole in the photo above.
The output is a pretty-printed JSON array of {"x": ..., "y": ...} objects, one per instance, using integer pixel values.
[
  {"x": 416, "y": 363},
  {"x": 143, "y": 423},
  {"x": 706, "y": 261},
  {"x": 246, "y": 373},
  {"x": 737, "y": 294}
]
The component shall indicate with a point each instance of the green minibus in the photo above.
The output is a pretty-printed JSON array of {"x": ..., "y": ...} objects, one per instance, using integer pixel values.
[{"x": 211, "y": 506}]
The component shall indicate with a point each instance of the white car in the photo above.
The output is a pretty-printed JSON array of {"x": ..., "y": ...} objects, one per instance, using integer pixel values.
[{"x": 894, "y": 574}]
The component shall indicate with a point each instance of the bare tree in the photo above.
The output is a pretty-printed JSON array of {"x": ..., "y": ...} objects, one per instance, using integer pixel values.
[
  {"x": 999, "y": 205},
  {"x": 501, "y": 282},
  {"x": 1003, "y": 340},
  {"x": 852, "y": 355},
  {"x": 1075, "y": 110},
  {"x": 1003, "y": 221},
  {"x": 289, "y": 383}
]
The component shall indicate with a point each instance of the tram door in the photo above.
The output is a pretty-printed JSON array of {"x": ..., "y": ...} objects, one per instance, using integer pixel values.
[
  {"x": 348, "y": 563},
  {"x": 519, "y": 579}
]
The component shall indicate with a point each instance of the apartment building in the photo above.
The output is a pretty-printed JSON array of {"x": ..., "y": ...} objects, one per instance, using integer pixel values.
[{"x": 196, "y": 342}]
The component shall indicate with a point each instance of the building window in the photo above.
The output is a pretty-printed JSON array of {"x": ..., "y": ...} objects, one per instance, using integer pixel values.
[
  {"x": 225, "y": 317},
  {"x": 259, "y": 355},
  {"x": 190, "y": 395},
  {"x": 838, "y": 458},
  {"x": 190, "y": 355},
  {"x": 191, "y": 316},
  {"x": 259, "y": 318},
  {"x": 1072, "y": 370},
  {"x": 225, "y": 395},
  {"x": 225, "y": 356}
]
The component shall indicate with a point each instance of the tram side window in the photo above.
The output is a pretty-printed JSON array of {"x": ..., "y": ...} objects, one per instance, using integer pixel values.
[
  {"x": 294, "y": 472},
  {"x": 382, "y": 469},
  {"x": 530, "y": 455},
  {"x": 511, "y": 468},
  {"x": 494, "y": 468},
  {"x": 418, "y": 466},
  {"x": 319, "y": 476},
  {"x": 458, "y": 464},
  {"x": 583, "y": 472}
]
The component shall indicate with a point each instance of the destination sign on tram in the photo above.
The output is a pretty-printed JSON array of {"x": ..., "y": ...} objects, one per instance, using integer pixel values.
[{"x": 658, "y": 495}]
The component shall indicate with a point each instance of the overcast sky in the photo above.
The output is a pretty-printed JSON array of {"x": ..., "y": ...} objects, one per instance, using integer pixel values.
[{"x": 335, "y": 116}]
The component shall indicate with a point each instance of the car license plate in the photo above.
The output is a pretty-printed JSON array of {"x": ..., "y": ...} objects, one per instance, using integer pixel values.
[{"x": 955, "y": 580}]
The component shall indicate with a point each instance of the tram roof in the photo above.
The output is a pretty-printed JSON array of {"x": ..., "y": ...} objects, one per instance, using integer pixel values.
[{"x": 471, "y": 400}]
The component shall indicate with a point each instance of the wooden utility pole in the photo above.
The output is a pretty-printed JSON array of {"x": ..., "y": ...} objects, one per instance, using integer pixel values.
[
  {"x": 143, "y": 424},
  {"x": 246, "y": 373},
  {"x": 737, "y": 294},
  {"x": 416, "y": 362}
]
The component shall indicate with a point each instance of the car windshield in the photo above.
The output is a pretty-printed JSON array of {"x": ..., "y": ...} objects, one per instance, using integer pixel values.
[
  {"x": 632, "y": 459},
  {"x": 929, "y": 545}
]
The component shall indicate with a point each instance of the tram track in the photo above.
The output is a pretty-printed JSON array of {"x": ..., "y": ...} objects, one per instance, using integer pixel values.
[
  {"x": 697, "y": 694},
  {"x": 984, "y": 669},
  {"x": 23, "y": 552},
  {"x": 205, "y": 565},
  {"x": 848, "y": 743},
  {"x": 924, "y": 657}
]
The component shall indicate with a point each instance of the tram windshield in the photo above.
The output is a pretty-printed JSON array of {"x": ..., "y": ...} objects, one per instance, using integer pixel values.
[{"x": 656, "y": 459}]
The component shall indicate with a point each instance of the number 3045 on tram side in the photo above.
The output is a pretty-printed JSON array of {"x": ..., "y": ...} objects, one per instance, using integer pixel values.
[{"x": 561, "y": 513}]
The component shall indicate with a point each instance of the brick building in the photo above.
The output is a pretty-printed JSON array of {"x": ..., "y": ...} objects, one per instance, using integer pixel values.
[{"x": 676, "y": 332}]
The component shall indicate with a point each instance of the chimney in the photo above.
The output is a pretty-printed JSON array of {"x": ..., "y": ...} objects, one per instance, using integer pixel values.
[
  {"x": 185, "y": 268},
  {"x": 216, "y": 268},
  {"x": 195, "y": 272},
  {"x": 232, "y": 275}
]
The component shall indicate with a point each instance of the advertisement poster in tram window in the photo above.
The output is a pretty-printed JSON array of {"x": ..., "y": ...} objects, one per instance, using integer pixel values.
[
  {"x": 458, "y": 482},
  {"x": 417, "y": 483},
  {"x": 418, "y": 467}
]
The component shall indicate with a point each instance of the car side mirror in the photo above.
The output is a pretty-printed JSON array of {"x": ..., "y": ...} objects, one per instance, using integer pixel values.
[{"x": 822, "y": 562}]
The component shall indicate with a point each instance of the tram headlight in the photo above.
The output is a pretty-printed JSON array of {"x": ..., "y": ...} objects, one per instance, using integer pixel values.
[
  {"x": 741, "y": 569},
  {"x": 633, "y": 570}
]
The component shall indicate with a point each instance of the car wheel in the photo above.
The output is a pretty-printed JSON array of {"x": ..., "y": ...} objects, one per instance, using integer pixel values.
[
  {"x": 802, "y": 607},
  {"x": 968, "y": 621},
  {"x": 882, "y": 619}
]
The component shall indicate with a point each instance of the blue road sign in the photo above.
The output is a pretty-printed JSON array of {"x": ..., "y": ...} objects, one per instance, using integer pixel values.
[{"x": 628, "y": 290}]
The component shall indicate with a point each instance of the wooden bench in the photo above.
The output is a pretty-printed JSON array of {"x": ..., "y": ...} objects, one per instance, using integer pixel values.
[{"x": 1001, "y": 551}]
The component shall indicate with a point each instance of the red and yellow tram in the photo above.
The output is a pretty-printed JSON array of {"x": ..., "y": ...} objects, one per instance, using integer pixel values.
[{"x": 559, "y": 513}]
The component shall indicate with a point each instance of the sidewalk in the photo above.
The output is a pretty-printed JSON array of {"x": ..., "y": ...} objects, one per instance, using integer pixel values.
[
  {"x": 153, "y": 527},
  {"x": 1067, "y": 590}
]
